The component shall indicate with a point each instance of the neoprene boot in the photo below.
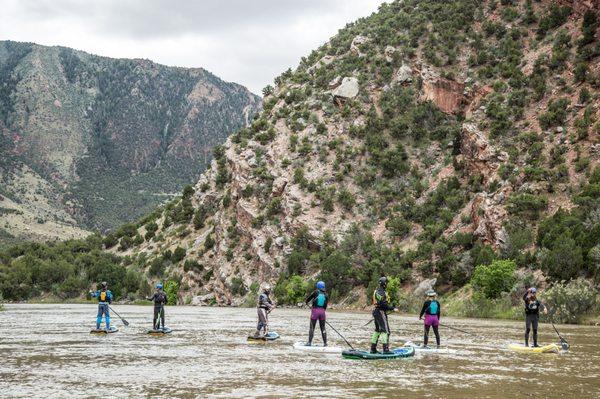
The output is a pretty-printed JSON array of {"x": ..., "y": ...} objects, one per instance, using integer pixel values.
[
  {"x": 535, "y": 344},
  {"x": 373, "y": 348},
  {"x": 324, "y": 334},
  {"x": 386, "y": 348}
]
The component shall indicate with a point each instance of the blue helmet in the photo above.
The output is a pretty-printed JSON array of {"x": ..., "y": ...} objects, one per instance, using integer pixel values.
[
  {"x": 321, "y": 285},
  {"x": 159, "y": 286},
  {"x": 533, "y": 290}
]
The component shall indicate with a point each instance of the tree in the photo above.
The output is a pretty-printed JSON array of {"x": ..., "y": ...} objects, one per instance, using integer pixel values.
[
  {"x": 564, "y": 260},
  {"x": 178, "y": 254},
  {"x": 495, "y": 278},
  {"x": 172, "y": 291}
]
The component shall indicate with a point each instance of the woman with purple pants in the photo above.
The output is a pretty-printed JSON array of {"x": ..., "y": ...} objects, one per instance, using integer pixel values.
[
  {"x": 432, "y": 311},
  {"x": 319, "y": 304}
]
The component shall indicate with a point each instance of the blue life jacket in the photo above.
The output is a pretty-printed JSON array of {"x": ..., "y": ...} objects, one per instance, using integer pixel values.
[
  {"x": 320, "y": 299},
  {"x": 433, "y": 307}
]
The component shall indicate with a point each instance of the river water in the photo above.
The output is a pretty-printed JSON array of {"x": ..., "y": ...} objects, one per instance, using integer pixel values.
[{"x": 47, "y": 351}]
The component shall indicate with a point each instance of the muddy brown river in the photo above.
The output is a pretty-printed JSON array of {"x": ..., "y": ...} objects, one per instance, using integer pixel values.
[{"x": 47, "y": 351}]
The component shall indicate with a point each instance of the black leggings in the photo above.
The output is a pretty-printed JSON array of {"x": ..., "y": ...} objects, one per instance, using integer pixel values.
[
  {"x": 158, "y": 310},
  {"x": 531, "y": 322},
  {"x": 426, "y": 336},
  {"x": 311, "y": 331}
]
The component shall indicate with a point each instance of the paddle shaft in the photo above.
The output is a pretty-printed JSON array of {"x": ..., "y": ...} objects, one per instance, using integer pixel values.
[
  {"x": 562, "y": 340},
  {"x": 457, "y": 329},
  {"x": 120, "y": 317},
  {"x": 338, "y": 333}
]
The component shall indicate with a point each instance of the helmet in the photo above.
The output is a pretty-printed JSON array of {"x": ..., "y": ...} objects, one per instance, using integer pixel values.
[
  {"x": 383, "y": 281},
  {"x": 321, "y": 285},
  {"x": 533, "y": 290},
  {"x": 159, "y": 286},
  {"x": 104, "y": 284},
  {"x": 431, "y": 293},
  {"x": 266, "y": 287}
]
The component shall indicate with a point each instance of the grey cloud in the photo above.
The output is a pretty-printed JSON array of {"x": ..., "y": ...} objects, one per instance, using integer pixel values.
[{"x": 245, "y": 41}]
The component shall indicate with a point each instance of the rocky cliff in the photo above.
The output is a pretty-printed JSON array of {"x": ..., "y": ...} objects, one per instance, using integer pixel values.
[
  {"x": 413, "y": 143},
  {"x": 90, "y": 142}
]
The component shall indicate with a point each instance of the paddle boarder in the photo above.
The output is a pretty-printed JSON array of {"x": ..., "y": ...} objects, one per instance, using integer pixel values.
[
  {"x": 160, "y": 300},
  {"x": 432, "y": 311},
  {"x": 265, "y": 305},
  {"x": 532, "y": 314},
  {"x": 319, "y": 304},
  {"x": 105, "y": 298},
  {"x": 382, "y": 327}
]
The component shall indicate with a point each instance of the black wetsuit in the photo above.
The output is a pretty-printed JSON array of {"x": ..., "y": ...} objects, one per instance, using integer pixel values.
[
  {"x": 160, "y": 300},
  {"x": 382, "y": 327},
  {"x": 532, "y": 315}
]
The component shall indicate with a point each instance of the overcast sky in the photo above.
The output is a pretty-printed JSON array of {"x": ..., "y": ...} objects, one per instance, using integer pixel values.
[{"x": 244, "y": 41}]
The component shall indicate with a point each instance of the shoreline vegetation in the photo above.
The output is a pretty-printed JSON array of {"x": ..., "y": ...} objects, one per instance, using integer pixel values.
[{"x": 453, "y": 305}]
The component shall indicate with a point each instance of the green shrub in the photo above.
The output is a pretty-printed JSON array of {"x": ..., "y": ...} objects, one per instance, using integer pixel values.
[
  {"x": 178, "y": 254},
  {"x": 172, "y": 291},
  {"x": 569, "y": 302},
  {"x": 295, "y": 290},
  {"x": 237, "y": 286},
  {"x": 199, "y": 217},
  {"x": 553, "y": 19},
  {"x": 346, "y": 199},
  {"x": 157, "y": 267},
  {"x": 527, "y": 205},
  {"x": 555, "y": 115},
  {"x": 495, "y": 278},
  {"x": 192, "y": 265},
  {"x": 398, "y": 226},
  {"x": 109, "y": 241}
]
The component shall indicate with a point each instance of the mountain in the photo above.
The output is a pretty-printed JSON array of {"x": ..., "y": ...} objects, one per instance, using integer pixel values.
[
  {"x": 90, "y": 142},
  {"x": 447, "y": 144},
  {"x": 420, "y": 142}
]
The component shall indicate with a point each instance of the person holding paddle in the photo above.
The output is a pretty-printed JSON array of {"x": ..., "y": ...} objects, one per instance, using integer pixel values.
[
  {"x": 265, "y": 305},
  {"x": 432, "y": 311},
  {"x": 382, "y": 306},
  {"x": 319, "y": 304},
  {"x": 160, "y": 300},
  {"x": 105, "y": 298},
  {"x": 532, "y": 314}
]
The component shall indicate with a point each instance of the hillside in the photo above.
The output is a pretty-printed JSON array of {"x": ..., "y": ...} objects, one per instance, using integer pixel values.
[
  {"x": 447, "y": 144},
  {"x": 90, "y": 142}
]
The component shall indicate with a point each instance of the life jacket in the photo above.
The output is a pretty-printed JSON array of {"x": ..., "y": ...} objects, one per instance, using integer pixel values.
[
  {"x": 103, "y": 296},
  {"x": 264, "y": 301},
  {"x": 379, "y": 296},
  {"x": 320, "y": 300},
  {"x": 433, "y": 307},
  {"x": 160, "y": 298}
]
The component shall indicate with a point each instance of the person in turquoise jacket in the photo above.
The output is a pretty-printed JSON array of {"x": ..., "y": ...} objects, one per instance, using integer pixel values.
[{"x": 105, "y": 298}]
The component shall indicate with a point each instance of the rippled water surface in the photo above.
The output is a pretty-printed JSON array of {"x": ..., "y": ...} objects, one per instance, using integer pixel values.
[{"x": 47, "y": 351}]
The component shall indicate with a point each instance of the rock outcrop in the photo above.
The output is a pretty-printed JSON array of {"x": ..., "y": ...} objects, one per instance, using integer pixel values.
[{"x": 347, "y": 89}]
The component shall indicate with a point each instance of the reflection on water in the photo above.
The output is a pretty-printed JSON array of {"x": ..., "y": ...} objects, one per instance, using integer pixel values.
[{"x": 47, "y": 351}]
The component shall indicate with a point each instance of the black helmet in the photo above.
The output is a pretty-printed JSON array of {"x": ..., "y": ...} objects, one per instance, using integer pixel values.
[
  {"x": 383, "y": 282},
  {"x": 104, "y": 284}
]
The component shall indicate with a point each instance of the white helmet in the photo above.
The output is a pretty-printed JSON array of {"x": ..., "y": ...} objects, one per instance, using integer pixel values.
[{"x": 266, "y": 287}]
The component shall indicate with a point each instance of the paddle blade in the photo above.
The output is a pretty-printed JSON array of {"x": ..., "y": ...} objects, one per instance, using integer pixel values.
[
  {"x": 125, "y": 322},
  {"x": 564, "y": 344}
]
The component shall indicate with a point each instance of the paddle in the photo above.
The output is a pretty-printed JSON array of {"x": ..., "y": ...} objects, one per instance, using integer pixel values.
[
  {"x": 563, "y": 342},
  {"x": 338, "y": 333},
  {"x": 122, "y": 319},
  {"x": 457, "y": 329}
]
